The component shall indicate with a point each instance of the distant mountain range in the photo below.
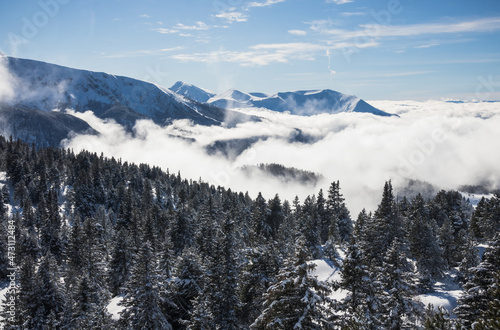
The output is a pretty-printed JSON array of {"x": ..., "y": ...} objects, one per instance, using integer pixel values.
[
  {"x": 304, "y": 103},
  {"x": 43, "y": 92}
]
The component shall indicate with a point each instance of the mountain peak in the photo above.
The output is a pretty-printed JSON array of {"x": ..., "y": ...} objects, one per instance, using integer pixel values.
[{"x": 191, "y": 92}]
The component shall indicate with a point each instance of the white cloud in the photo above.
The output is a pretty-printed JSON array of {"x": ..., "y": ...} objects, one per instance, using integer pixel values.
[
  {"x": 263, "y": 4},
  {"x": 232, "y": 16},
  {"x": 179, "y": 27},
  {"x": 258, "y": 55},
  {"x": 298, "y": 32},
  {"x": 165, "y": 31},
  {"x": 373, "y": 30},
  {"x": 145, "y": 16},
  {"x": 198, "y": 26},
  {"x": 142, "y": 52},
  {"x": 446, "y": 144},
  {"x": 339, "y": 2},
  {"x": 349, "y": 14}
]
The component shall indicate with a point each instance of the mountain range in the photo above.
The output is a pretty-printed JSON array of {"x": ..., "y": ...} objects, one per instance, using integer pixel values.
[
  {"x": 304, "y": 103},
  {"x": 43, "y": 92}
]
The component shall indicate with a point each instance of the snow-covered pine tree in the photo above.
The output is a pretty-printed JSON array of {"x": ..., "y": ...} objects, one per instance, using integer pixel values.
[
  {"x": 362, "y": 306},
  {"x": 297, "y": 300},
  {"x": 476, "y": 296},
  {"x": 89, "y": 309},
  {"x": 186, "y": 286},
  {"x": 142, "y": 299},
  {"x": 256, "y": 275},
  {"x": 490, "y": 318},
  {"x": 48, "y": 301},
  {"x": 339, "y": 213},
  {"x": 397, "y": 277},
  {"x": 383, "y": 228},
  {"x": 423, "y": 243}
]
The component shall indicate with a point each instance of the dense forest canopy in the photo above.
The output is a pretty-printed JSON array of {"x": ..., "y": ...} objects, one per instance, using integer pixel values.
[{"x": 80, "y": 229}]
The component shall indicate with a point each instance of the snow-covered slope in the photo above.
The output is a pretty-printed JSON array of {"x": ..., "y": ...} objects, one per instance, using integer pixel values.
[
  {"x": 304, "y": 103},
  {"x": 45, "y": 86},
  {"x": 192, "y": 92}
]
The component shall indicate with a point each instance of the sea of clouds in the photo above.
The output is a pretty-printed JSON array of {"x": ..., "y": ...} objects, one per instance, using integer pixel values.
[{"x": 443, "y": 143}]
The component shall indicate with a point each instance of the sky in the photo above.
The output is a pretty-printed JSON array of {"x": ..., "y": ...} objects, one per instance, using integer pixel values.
[{"x": 377, "y": 50}]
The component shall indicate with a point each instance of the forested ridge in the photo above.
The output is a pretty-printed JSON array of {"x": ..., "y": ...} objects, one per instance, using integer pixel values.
[{"x": 185, "y": 254}]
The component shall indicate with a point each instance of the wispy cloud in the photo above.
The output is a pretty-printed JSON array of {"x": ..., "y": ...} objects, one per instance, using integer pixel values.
[
  {"x": 263, "y": 3},
  {"x": 404, "y": 74},
  {"x": 145, "y": 16},
  {"x": 142, "y": 52},
  {"x": 181, "y": 28},
  {"x": 350, "y": 13},
  {"x": 265, "y": 54},
  {"x": 378, "y": 31},
  {"x": 298, "y": 32},
  {"x": 339, "y": 2},
  {"x": 258, "y": 55},
  {"x": 232, "y": 16},
  {"x": 428, "y": 45}
]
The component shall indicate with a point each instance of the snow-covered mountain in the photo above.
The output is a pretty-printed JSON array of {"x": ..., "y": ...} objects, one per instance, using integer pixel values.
[
  {"x": 192, "y": 92},
  {"x": 46, "y": 87},
  {"x": 305, "y": 103}
]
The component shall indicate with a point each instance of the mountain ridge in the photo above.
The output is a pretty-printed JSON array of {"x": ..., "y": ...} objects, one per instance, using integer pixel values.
[{"x": 300, "y": 102}]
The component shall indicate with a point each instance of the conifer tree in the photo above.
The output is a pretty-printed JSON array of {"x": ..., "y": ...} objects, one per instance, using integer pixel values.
[
  {"x": 385, "y": 226},
  {"x": 476, "y": 296},
  {"x": 142, "y": 301},
  {"x": 297, "y": 300},
  {"x": 362, "y": 306},
  {"x": 396, "y": 274},
  {"x": 340, "y": 215}
]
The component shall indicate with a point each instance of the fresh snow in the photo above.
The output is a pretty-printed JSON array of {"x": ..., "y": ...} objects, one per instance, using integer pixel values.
[
  {"x": 446, "y": 292},
  {"x": 475, "y": 198},
  {"x": 114, "y": 308},
  {"x": 326, "y": 271}
]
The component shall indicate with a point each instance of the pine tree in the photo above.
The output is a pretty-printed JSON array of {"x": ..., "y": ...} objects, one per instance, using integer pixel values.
[
  {"x": 469, "y": 262},
  {"x": 385, "y": 226},
  {"x": 340, "y": 215},
  {"x": 186, "y": 286},
  {"x": 275, "y": 217},
  {"x": 142, "y": 301},
  {"x": 120, "y": 264},
  {"x": 396, "y": 274},
  {"x": 490, "y": 318},
  {"x": 437, "y": 320},
  {"x": 89, "y": 310},
  {"x": 297, "y": 300},
  {"x": 362, "y": 306},
  {"x": 49, "y": 298},
  {"x": 256, "y": 276},
  {"x": 476, "y": 297}
]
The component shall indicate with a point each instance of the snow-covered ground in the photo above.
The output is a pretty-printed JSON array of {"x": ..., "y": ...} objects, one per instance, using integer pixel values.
[
  {"x": 446, "y": 292},
  {"x": 114, "y": 308},
  {"x": 475, "y": 198}
]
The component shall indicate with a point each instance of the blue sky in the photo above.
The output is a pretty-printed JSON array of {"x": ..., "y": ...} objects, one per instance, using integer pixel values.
[{"x": 391, "y": 49}]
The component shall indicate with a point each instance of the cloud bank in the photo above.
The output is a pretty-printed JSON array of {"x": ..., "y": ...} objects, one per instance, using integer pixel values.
[{"x": 446, "y": 144}]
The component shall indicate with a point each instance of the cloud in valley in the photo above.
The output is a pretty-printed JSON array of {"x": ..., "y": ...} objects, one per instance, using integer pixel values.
[{"x": 446, "y": 144}]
